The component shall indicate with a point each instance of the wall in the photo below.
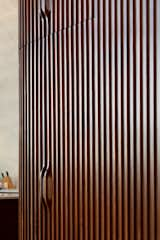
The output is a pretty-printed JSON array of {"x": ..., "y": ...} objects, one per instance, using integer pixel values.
[{"x": 9, "y": 116}]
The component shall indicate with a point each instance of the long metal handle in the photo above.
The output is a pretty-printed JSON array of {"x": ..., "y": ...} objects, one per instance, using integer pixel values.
[
  {"x": 46, "y": 173},
  {"x": 46, "y": 187},
  {"x": 46, "y": 180}
]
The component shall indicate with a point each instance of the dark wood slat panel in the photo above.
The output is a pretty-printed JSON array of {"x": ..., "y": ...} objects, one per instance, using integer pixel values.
[
  {"x": 148, "y": 111},
  {"x": 141, "y": 113},
  {"x": 131, "y": 83},
  {"x": 70, "y": 134},
  {"x": 101, "y": 119},
  {"x": 66, "y": 139},
  {"x": 24, "y": 196},
  {"x": 144, "y": 179},
  {"x": 52, "y": 129},
  {"x": 96, "y": 135},
  {"x": 125, "y": 126},
  {"x": 107, "y": 122},
  {"x": 61, "y": 15},
  {"x": 75, "y": 135},
  {"x": 138, "y": 173},
  {"x": 119, "y": 128},
  {"x": 90, "y": 123},
  {"x": 60, "y": 71},
  {"x": 35, "y": 139},
  {"x": 90, "y": 127},
  {"x": 54, "y": 148},
  {"x": 31, "y": 138},
  {"x": 48, "y": 174},
  {"x": 85, "y": 129},
  {"x": 113, "y": 118},
  {"x": 56, "y": 141},
  {"x": 151, "y": 121},
  {"x": 21, "y": 142},
  {"x": 27, "y": 167},
  {"x": 43, "y": 139},
  {"x": 80, "y": 177},
  {"x": 39, "y": 137}
]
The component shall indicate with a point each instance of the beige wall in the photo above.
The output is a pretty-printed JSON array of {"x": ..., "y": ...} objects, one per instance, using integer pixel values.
[{"x": 9, "y": 118}]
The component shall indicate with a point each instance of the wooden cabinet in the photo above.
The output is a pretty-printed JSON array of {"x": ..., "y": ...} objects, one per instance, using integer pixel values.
[
  {"x": 39, "y": 18},
  {"x": 9, "y": 219},
  {"x": 89, "y": 120}
]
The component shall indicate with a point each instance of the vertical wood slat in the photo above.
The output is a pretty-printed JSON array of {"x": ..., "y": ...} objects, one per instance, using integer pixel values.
[
  {"x": 85, "y": 129},
  {"x": 157, "y": 128},
  {"x": 35, "y": 150},
  {"x": 151, "y": 121},
  {"x": 39, "y": 137},
  {"x": 75, "y": 137},
  {"x": 27, "y": 167},
  {"x": 56, "y": 145},
  {"x": 90, "y": 119},
  {"x": 148, "y": 110},
  {"x": 113, "y": 117},
  {"x": 43, "y": 137},
  {"x": 21, "y": 142},
  {"x": 96, "y": 136},
  {"x": 31, "y": 138},
  {"x": 107, "y": 122},
  {"x": 100, "y": 122},
  {"x": 144, "y": 179},
  {"x": 66, "y": 209},
  {"x": 80, "y": 171},
  {"x": 48, "y": 138},
  {"x": 60, "y": 59},
  {"x": 52, "y": 119},
  {"x": 138, "y": 102},
  {"x": 125, "y": 125},
  {"x": 119, "y": 129},
  {"x": 70, "y": 134}
]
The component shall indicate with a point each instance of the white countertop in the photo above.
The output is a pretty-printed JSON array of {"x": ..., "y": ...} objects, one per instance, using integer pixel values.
[{"x": 9, "y": 194}]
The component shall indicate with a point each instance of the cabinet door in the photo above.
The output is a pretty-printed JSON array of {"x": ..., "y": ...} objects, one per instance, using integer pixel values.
[
  {"x": 39, "y": 18},
  {"x": 90, "y": 127},
  {"x": 55, "y": 74}
]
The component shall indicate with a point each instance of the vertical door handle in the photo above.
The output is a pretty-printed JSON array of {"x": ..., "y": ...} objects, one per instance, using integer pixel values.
[
  {"x": 46, "y": 186},
  {"x": 45, "y": 7}
]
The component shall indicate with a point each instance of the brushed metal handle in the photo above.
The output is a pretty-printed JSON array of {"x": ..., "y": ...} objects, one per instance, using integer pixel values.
[
  {"x": 46, "y": 180},
  {"x": 46, "y": 187}
]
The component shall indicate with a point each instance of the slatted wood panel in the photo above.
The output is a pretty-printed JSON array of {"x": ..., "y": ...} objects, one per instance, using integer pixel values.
[
  {"x": 38, "y": 18},
  {"x": 90, "y": 126}
]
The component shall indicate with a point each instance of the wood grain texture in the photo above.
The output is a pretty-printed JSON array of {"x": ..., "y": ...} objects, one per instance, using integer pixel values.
[
  {"x": 61, "y": 14},
  {"x": 90, "y": 121}
]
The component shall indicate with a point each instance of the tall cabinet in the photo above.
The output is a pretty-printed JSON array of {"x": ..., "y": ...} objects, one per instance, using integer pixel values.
[{"x": 89, "y": 119}]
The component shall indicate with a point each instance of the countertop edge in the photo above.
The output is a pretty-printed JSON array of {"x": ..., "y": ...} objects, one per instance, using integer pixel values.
[{"x": 7, "y": 195}]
